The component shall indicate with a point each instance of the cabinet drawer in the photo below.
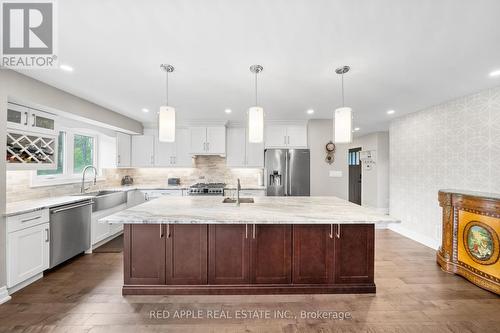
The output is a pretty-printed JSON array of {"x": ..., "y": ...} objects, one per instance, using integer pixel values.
[{"x": 26, "y": 220}]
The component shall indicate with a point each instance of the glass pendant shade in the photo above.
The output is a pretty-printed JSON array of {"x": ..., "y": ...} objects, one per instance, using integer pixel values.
[
  {"x": 255, "y": 124},
  {"x": 342, "y": 123},
  {"x": 166, "y": 124}
]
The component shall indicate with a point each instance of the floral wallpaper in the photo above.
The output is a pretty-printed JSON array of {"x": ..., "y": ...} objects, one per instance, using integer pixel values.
[{"x": 452, "y": 145}]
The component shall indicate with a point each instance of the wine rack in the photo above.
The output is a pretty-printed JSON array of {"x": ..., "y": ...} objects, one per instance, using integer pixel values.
[{"x": 33, "y": 151}]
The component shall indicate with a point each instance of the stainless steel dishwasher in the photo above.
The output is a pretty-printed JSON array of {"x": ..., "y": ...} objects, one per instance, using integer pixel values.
[{"x": 69, "y": 231}]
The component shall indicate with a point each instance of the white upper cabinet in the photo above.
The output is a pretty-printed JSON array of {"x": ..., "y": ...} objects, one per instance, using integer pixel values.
[
  {"x": 27, "y": 119},
  {"x": 123, "y": 150},
  {"x": 296, "y": 136},
  {"x": 236, "y": 138},
  {"x": 241, "y": 153},
  {"x": 143, "y": 150},
  {"x": 182, "y": 156},
  {"x": 174, "y": 154},
  {"x": 286, "y": 136},
  {"x": 198, "y": 140},
  {"x": 216, "y": 140},
  {"x": 208, "y": 140}
]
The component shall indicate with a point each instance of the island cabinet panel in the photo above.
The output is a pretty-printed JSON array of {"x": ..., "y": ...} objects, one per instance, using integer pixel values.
[
  {"x": 354, "y": 253},
  {"x": 144, "y": 254},
  {"x": 228, "y": 254},
  {"x": 271, "y": 252},
  {"x": 313, "y": 249},
  {"x": 186, "y": 256}
]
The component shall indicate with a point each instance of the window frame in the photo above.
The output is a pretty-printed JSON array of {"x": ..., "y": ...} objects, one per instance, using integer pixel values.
[{"x": 68, "y": 176}]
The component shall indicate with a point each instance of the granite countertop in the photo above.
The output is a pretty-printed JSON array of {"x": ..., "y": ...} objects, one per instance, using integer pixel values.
[
  {"x": 26, "y": 206},
  {"x": 265, "y": 210}
]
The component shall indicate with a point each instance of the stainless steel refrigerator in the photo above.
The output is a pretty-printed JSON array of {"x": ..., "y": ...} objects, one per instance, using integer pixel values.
[{"x": 287, "y": 172}]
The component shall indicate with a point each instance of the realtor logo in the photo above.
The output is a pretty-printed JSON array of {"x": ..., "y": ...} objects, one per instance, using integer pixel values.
[{"x": 28, "y": 34}]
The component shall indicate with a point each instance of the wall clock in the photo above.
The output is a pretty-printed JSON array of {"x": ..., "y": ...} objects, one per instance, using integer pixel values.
[{"x": 330, "y": 152}]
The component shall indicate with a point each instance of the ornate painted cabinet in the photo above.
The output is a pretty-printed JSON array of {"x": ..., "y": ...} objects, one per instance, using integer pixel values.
[{"x": 470, "y": 241}]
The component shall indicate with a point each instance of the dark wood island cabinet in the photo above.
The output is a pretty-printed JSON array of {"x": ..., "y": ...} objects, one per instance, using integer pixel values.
[{"x": 248, "y": 258}]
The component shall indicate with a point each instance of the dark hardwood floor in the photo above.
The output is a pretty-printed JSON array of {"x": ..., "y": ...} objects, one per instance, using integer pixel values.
[{"x": 413, "y": 295}]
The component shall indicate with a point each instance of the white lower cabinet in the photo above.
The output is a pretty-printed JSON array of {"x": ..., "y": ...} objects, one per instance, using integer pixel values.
[
  {"x": 27, "y": 253},
  {"x": 102, "y": 231}
]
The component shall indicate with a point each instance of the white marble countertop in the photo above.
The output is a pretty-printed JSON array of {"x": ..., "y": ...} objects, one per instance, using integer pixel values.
[
  {"x": 265, "y": 210},
  {"x": 26, "y": 206}
]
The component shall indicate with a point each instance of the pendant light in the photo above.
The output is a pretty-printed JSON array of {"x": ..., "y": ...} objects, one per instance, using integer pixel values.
[
  {"x": 166, "y": 116},
  {"x": 342, "y": 121},
  {"x": 256, "y": 114}
]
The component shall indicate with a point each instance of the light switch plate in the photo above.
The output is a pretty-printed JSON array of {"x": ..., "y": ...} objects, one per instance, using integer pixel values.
[{"x": 335, "y": 173}]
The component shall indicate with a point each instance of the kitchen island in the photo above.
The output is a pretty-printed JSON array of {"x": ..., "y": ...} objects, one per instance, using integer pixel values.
[{"x": 285, "y": 245}]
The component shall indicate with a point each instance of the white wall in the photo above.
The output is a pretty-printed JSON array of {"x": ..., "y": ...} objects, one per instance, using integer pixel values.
[
  {"x": 452, "y": 145},
  {"x": 375, "y": 182}
]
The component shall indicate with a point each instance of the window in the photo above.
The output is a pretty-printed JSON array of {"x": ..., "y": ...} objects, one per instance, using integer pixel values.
[
  {"x": 60, "y": 158},
  {"x": 83, "y": 152},
  {"x": 76, "y": 150}
]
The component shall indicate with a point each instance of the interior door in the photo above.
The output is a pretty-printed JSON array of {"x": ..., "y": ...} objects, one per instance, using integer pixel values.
[
  {"x": 354, "y": 176},
  {"x": 299, "y": 172}
]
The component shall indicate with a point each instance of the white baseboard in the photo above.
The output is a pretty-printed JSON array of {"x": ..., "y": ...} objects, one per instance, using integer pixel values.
[
  {"x": 25, "y": 283},
  {"x": 4, "y": 295},
  {"x": 417, "y": 237}
]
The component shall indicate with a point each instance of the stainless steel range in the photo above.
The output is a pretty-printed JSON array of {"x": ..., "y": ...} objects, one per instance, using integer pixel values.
[{"x": 207, "y": 189}]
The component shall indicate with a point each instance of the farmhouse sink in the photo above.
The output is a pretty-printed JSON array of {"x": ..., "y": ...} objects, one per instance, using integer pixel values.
[{"x": 106, "y": 199}]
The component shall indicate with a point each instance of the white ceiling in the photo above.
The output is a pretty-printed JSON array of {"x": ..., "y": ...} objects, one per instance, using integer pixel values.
[{"x": 405, "y": 55}]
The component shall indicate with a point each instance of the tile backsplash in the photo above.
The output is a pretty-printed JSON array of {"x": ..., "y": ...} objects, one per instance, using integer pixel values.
[{"x": 206, "y": 169}]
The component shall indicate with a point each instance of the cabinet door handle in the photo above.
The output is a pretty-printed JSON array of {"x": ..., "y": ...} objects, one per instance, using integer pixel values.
[
  {"x": 246, "y": 231},
  {"x": 253, "y": 231},
  {"x": 34, "y": 121},
  {"x": 331, "y": 231},
  {"x": 47, "y": 237},
  {"x": 168, "y": 230},
  {"x": 338, "y": 230},
  {"x": 31, "y": 219},
  {"x": 161, "y": 230},
  {"x": 26, "y": 120}
]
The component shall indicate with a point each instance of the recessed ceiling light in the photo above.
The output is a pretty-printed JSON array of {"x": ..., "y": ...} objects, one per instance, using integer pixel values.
[
  {"x": 495, "y": 73},
  {"x": 310, "y": 111},
  {"x": 145, "y": 110},
  {"x": 66, "y": 68},
  {"x": 391, "y": 112},
  {"x": 228, "y": 111},
  {"x": 356, "y": 129}
]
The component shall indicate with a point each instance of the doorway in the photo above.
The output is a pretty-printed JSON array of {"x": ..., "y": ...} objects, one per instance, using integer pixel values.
[{"x": 354, "y": 175}]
